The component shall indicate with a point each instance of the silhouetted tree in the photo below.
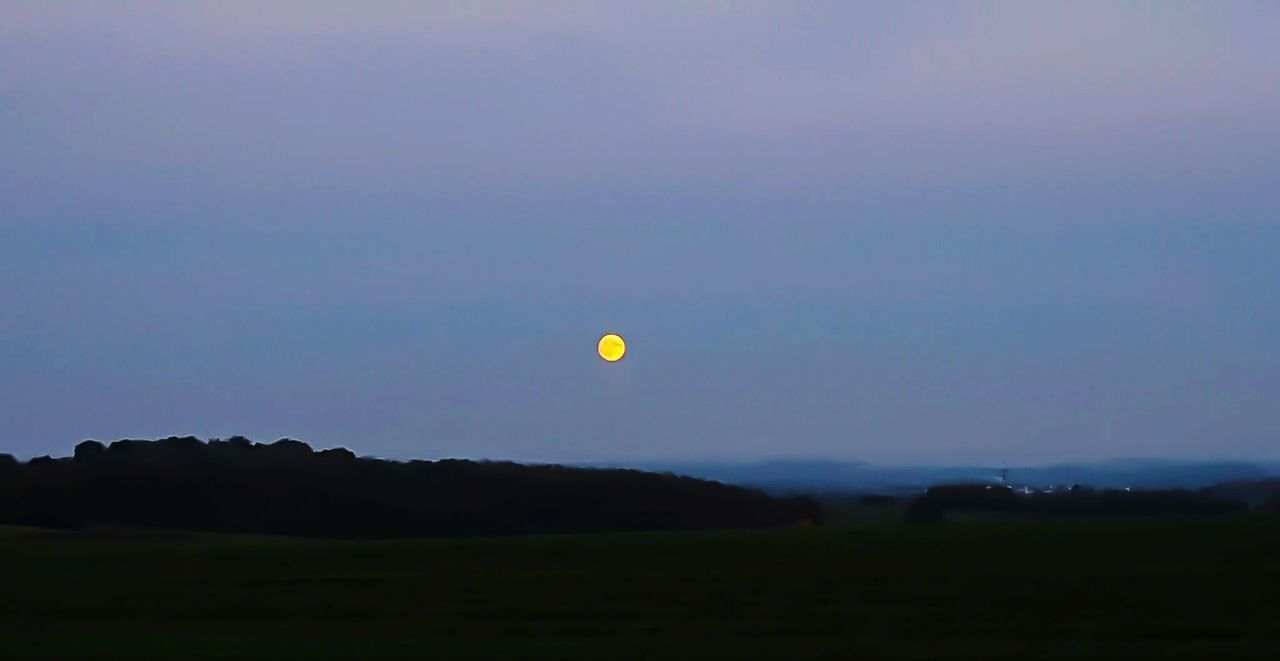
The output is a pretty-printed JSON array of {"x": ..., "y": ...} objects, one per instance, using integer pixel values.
[
  {"x": 286, "y": 488},
  {"x": 87, "y": 451}
]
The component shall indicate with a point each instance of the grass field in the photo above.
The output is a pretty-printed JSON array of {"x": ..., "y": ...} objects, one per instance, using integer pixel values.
[{"x": 1153, "y": 588}]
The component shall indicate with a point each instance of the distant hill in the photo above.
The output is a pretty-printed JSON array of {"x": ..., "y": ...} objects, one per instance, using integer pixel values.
[
  {"x": 287, "y": 488},
  {"x": 782, "y": 476}
]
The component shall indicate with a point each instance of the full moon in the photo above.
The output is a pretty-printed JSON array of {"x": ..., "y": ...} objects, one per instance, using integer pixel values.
[{"x": 612, "y": 347}]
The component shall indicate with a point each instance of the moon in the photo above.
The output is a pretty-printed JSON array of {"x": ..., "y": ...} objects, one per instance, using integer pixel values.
[{"x": 612, "y": 347}]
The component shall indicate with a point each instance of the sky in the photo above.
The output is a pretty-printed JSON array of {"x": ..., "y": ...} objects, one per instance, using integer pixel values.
[{"x": 905, "y": 233}]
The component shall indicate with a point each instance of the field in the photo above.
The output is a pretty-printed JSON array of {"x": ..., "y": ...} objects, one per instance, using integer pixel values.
[{"x": 1152, "y": 588}]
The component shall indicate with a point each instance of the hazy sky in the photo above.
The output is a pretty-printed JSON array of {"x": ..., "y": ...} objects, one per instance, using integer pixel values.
[{"x": 909, "y": 233}]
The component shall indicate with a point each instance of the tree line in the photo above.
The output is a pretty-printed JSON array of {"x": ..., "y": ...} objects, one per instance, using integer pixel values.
[
  {"x": 287, "y": 488},
  {"x": 1076, "y": 501}
]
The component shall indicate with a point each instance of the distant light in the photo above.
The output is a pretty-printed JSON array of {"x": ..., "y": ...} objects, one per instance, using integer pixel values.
[{"x": 612, "y": 347}]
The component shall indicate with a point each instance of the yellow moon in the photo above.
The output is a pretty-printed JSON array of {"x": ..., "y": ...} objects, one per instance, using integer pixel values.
[{"x": 612, "y": 347}]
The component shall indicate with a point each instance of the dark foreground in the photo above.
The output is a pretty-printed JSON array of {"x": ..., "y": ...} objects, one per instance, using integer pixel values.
[{"x": 1155, "y": 588}]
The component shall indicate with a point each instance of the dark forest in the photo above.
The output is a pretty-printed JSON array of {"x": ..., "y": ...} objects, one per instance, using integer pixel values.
[{"x": 286, "y": 488}]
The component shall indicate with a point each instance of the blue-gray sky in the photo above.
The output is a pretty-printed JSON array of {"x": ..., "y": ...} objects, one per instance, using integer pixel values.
[{"x": 895, "y": 232}]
